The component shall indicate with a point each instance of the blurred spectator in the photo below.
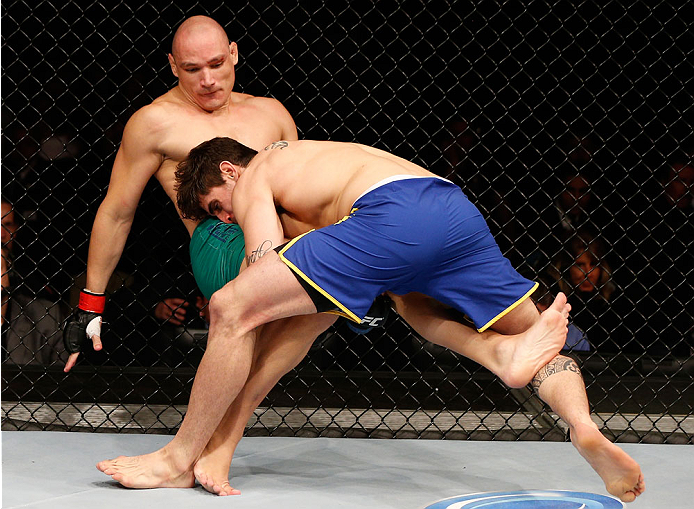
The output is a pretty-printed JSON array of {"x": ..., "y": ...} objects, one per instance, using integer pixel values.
[
  {"x": 576, "y": 339},
  {"x": 30, "y": 325},
  {"x": 678, "y": 187},
  {"x": 671, "y": 224},
  {"x": 9, "y": 225},
  {"x": 662, "y": 258},
  {"x": 180, "y": 310},
  {"x": 583, "y": 273},
  {"x": 579, "y": 147},
  {"x": 24, "y": 275},
  {"x": 173, "y": 292},
  {"x": 575, "y": 207},
  {"x": 54, "y": 190},
  {"x": 574, "y": 202}
]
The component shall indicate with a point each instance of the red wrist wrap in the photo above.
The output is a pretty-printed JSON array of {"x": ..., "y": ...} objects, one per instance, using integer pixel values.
[{"x": 92, "y": 302}]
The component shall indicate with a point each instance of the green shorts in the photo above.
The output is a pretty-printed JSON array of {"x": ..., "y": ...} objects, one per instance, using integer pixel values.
[{"x": 217, "y": 250}]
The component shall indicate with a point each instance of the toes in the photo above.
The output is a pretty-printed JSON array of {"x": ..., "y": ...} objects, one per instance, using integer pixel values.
[
  {"x": 559, "y": 301},
  {"x": 640, "y": 487},
  {"x": 104, "y": 465},
  {"x": 628, "y": 497},
  {"x": 227, "y": 490}
]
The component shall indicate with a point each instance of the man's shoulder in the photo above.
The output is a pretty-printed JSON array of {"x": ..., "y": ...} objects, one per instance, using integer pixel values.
[
  {"x": 157, "y": 115},
  {"x": 269, "y": 119},
  {"x": 256, "y": 102},
  {"x": 164, "y": 105}
]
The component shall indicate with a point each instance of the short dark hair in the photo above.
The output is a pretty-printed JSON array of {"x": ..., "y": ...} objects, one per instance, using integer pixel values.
[{"x": 198, "y": 173}]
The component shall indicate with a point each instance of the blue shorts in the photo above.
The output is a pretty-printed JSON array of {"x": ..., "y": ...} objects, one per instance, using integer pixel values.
[{"x": 410, "y": 235}]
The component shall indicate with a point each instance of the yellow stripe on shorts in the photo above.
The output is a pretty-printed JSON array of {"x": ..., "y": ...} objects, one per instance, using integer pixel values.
[
  {"x": 343, "y": 309},
  {"x": 508, "y": 309}
]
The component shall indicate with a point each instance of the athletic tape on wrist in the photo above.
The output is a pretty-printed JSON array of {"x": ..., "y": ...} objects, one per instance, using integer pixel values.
[
  {"x": 94, "y": 327},
  {"x": 92, "y": 302}
]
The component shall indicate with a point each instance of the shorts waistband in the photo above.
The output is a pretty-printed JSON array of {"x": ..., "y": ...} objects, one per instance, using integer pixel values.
[{"x": 395, "y": 178}]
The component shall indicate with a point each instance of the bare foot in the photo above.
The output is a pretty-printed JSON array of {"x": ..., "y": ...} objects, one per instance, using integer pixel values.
[
  {"x": 620, "y": 473},
  {"x": 212, "y": 471},
  {"x": 529, "y": 351},
  {"x": 155, "y": 470}
]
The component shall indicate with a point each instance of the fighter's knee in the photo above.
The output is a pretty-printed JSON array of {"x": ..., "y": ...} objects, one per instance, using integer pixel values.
[{"x": 221, "y": 304}]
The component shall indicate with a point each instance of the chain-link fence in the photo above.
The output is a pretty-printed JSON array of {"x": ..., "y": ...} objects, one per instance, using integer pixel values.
[{"x": 568, "y": 123}]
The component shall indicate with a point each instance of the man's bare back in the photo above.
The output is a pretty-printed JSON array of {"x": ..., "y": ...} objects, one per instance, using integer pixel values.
[{"x": 315, "y": 184}]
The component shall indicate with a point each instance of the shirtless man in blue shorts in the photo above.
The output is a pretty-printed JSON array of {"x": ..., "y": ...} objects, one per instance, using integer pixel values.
[
  {"x": 381, "y": 224},
  {"x": 217, "y": 253}
]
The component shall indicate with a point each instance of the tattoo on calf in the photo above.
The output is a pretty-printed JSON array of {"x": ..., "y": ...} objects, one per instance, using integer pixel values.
[
  {"x": 258, "y": 253},
  {"x": 277, "y": 144},
  {"x": 556, "y": 365}
]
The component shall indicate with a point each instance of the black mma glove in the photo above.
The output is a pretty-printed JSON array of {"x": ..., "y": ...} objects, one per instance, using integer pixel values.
[
  {"x": 85, "y": 322},
  {"x": 375, "y": 317}
]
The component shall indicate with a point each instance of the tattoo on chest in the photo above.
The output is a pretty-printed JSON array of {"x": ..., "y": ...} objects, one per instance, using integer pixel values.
[
  {"x": 258, "y": 253},
  {"x": 277, "y": 144},
  {"x": 556, "y": 365}
]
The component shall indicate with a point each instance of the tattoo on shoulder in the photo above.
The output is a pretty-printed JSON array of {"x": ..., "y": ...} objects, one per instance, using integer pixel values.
[
  {"x": 556, "y": 365},
  {"x": 277, "y": 144},
  {"x": 258, "y": 253}
]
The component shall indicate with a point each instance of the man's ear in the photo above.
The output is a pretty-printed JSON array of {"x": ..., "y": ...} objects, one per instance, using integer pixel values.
[
  {"x": 234, "y": 51},
  {"x": 172, "y": 63},
  {"x": 229, "y": 169}
]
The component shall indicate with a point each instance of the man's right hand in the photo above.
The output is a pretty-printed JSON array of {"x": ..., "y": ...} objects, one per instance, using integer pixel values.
[
  {"x": 84, "y": 323},
  {"x": 172, "y": 310}
]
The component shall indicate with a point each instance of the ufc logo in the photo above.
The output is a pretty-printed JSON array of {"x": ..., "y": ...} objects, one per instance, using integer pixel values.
[{"x": 372, "y": 321}]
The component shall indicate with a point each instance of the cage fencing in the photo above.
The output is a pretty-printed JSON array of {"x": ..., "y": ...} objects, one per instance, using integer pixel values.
[{"x": 569, "y": 124}]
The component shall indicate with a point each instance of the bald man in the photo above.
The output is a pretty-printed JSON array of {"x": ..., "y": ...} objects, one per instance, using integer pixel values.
[{"x": 158, "y": 136}]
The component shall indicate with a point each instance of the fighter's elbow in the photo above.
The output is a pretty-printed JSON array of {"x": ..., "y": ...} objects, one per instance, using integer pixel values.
[{"x": 116, "y": 211}]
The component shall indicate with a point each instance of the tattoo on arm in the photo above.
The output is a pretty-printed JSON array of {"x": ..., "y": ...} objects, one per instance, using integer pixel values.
[
  {"x": 258, "y": 253},
  {"x": 556, "y": 365},
  {"x": 277, "y": 144}
]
